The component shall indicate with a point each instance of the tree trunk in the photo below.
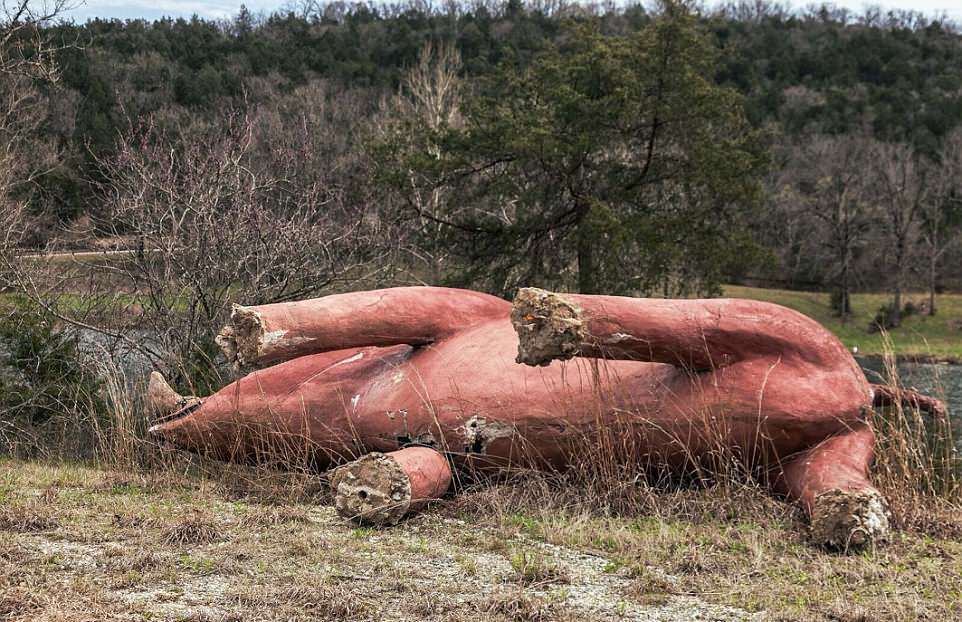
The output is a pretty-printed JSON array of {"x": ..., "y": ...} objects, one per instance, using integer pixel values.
[
  {"x": 895, "y": 316},
  {"x": 844, "y": 307},
  {"x": 586, "y": 267},
  {"x": 933, "y": 262}
]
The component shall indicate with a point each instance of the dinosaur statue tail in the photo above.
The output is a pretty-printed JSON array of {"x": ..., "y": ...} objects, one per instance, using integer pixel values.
[{"x": 886, "y": 395}]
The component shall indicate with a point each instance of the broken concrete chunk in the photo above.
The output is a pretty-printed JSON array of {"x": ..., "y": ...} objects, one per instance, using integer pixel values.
[
  {"x": 379, "y": 489},
  {"x": 243, "y": 337},
  {"x": 479, "y": 432},
  {"x": 849, "y": 520},
  {"x": 549, "y": 326}
]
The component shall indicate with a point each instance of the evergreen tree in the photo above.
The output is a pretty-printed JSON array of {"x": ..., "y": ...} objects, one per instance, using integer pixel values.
[{"x": 611, "y": 164}]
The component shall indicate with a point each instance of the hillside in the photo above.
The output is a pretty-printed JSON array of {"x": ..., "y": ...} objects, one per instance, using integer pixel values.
[{"x": 818, "y": 69}]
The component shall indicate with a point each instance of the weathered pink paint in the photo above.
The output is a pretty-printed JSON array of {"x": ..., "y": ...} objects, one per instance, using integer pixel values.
[{"x": 677, "y": 377}]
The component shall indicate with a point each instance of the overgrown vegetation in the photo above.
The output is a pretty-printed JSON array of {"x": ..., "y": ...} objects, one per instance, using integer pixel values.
[{"x": 43, "y": 381}]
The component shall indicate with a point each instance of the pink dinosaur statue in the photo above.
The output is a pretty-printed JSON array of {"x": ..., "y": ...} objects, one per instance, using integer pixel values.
[{"x": 459, "y": 379}]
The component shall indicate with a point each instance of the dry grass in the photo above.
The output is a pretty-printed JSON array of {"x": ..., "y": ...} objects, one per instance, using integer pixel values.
[
  {"x": 268, "y": 516},
  {"x": 195, "y": 528},
  {"x": 519, "y": 606},
  {"x": 29, "y": 516},
  {"x": 742, "y": 556},
  {"x": 118, "y": 552}
]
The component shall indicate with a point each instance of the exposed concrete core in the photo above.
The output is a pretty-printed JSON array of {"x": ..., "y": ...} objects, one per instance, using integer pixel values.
[
  {"x": 374, "y": 490},
  {"x": 479, "y": 432},
  {"x": 548, "y": 325},
  {"x": 241, "y": 340},
  {"x": 379, "y": 489},
  {"x": 849, "y": 520},
  {"x": 162, "y": 400}
]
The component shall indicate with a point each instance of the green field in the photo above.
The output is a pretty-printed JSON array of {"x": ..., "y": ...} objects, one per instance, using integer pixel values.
[{"x": 939, "y": 336}]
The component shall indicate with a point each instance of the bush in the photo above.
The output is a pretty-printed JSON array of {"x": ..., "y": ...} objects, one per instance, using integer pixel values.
[
  {"x": 884, "y": 316},
  {"x": 43, "y": 382}
]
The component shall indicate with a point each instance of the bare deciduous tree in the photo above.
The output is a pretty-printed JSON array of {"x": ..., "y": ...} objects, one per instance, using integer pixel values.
[
  {"x": 901, "y": 187},
  {"x": 827, "y": 181},
  {"x": 205, "y": 221},
  {"x": 430, "y": 97},
  {"x": 26, "y": 57},
  {"x": 25, "y": 49},
  {"x": 940, "y": 212}
]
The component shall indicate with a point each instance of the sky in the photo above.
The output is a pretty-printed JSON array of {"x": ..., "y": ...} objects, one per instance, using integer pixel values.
[{"x": 153, "y": 9}]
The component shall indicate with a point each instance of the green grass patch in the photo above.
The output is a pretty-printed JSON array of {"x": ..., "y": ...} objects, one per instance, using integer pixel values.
[{"x": 938, "y": 336}]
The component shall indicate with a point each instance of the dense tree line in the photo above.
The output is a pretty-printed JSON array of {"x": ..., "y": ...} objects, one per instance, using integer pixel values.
[{"x": 820, "y": 87}]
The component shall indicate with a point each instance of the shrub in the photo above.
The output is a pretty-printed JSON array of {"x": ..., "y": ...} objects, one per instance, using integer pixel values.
[{"x": 43, "y": 382}]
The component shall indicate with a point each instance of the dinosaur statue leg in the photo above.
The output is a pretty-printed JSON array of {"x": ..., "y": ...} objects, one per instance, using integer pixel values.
[
  {"x": 261, "y": 335},
  {"x": 699, "y": 335},
  {"x": 831, "y": 481}
]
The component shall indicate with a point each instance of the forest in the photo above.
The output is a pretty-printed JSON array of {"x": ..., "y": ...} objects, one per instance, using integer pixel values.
[{"x": 809, "y": 149}]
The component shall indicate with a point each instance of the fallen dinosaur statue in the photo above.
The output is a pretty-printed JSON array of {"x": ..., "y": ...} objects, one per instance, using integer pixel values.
[{"x": 400, "y": 386}]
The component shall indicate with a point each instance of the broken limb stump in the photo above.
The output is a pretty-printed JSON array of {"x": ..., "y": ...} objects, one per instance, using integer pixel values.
[
  {"x": 402, "y": 315},
  {"x": 546, "y": 383},
  {"x": 379, "y": 489}
]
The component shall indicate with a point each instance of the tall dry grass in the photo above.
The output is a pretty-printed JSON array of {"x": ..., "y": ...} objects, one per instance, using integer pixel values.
[{"x": 918, "y": 466}]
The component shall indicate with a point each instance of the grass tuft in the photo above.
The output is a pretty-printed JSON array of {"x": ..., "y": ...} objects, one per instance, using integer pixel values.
[
  {"x": 269, "y": 516},
  {"x": 31, "y": 516},
  {"x": 195, "y": 528},
  {"x": 534, "y": 568},
  {"x": 519, "y": 606}
]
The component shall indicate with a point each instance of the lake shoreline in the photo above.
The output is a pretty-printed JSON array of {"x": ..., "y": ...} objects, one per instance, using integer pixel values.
[{"x": 914, "y": 358}]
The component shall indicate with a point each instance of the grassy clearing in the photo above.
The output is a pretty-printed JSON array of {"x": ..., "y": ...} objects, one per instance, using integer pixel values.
[
  {"x": 939, "y": 336},
  {"x": 743, "y": 549},
  {"x": 83, "y": 543},
  {"x": 102, "y": 545}
]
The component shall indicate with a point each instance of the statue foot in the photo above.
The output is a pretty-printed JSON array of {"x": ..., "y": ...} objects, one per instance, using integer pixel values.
[{"x": 849, "y": 520}]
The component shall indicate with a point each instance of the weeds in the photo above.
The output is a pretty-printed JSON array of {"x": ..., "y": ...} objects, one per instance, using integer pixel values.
[
  {"x": 195, "y": 528},
  {"x": 532, "y": 567},
  {"x": 269, "y": 516},
  {"x": 520, "y": 606},
  {"x": 917, "y": 462},
  {"x": 27, "y": 517},
  {"x": 649, "y": 586}
]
